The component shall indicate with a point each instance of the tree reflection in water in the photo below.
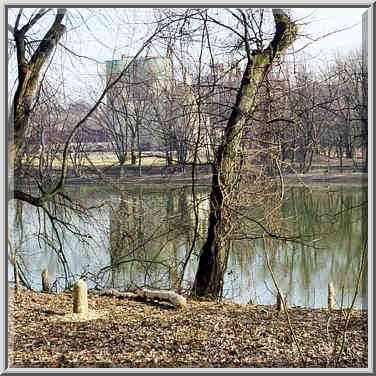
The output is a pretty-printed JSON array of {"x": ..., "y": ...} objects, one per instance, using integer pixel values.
[{"x": 141, "y": 237}]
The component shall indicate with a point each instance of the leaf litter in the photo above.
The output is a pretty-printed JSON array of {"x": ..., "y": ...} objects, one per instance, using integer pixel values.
[{"x": 123, "y": 333}]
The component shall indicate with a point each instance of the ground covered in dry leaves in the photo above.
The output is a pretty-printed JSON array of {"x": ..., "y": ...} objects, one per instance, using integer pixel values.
[{"x": 132, "y": 334}]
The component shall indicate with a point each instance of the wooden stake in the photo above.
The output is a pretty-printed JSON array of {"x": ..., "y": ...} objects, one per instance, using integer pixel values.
[
  {"x": 45, "y": 284},
  {"x": 330, "y": 296},
  {"x": 80, "y": 302}
]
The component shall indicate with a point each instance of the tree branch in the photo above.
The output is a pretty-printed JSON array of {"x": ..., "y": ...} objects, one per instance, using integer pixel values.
[{"x": 33, "y": 21}]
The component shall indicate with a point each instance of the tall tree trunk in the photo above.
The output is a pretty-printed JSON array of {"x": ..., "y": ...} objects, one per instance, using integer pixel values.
[
  {"x": 133, "y": 150},
  {"x": 28, "y": 78},
  {"x": 365, "y": 165},
  {"x": 228, "y": 162},
  {"x": 139, "y": 152},
  {"x": 122, "y": 169}
]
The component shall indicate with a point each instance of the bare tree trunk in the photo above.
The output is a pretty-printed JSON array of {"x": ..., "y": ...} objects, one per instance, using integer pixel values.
[
  {"x": 122, "y": 169},
  {"x": 28, "y": 78},
  {"x": 227, "y": 166},
  {"x": 133, "y": 151},
  {"x": 139, "y": 153},
  {"x": 365, "y": 166}
]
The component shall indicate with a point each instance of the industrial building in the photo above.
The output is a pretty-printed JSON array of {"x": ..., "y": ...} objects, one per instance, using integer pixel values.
[
  {"x": 143, "y": 82},
  {"x": 139, "y": 75}
]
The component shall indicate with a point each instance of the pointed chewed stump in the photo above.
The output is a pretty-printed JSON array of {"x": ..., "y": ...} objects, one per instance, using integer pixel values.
[
  {"x": 45, "y": 283},
  {"x": 80, "y": 302},
  {"x": 330, "y": 296},
  {"x": 281, "y": 303}
]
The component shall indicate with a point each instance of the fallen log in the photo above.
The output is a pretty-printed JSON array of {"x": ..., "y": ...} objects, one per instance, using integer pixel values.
[
  {"x": 161, "y": 295},
  {"x": 118, "y": 294}
]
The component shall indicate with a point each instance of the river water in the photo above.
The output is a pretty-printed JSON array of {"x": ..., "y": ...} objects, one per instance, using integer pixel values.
[{"x": 141, "y": 236}]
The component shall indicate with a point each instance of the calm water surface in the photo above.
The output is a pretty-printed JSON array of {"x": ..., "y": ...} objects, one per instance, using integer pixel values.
[{"x": 142, "y": 237}]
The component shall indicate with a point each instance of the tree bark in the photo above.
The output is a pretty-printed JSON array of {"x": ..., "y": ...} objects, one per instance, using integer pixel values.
[
  {"x": 28, "y": 78},
  {"x": 228, "y": 162}
]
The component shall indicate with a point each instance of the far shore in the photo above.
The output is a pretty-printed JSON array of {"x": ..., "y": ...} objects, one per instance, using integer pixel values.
[
  {"x": 204, "y": 178},
  {"x": 156, "y": 175}
]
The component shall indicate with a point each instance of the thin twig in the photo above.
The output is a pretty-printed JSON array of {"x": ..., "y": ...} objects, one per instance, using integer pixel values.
[
  {"x": 285, "y": 310},
  {"x": 338, "y": 358}
]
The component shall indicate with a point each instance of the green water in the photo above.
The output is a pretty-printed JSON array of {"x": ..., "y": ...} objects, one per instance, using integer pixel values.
[{"x": 143, "y": 236}]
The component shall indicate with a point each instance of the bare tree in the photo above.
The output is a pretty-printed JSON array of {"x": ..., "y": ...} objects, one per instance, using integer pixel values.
[
  {"x": 174, "y": 120},
  {"x": 34, "y": 51},
  {"x": 351, "y": 110},
  {"x": 228, "y": 161},
  {"x": 30, "y": 62}
]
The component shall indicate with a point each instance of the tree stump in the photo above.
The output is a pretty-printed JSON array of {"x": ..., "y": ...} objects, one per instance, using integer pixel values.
[
  {"x": 330, "y": 296},
  {"x": 80, "y": 302},
  {"x": 45, "y": 283}
]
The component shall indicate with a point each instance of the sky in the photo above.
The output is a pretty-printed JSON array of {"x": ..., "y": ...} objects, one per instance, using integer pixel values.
[
  {"x": 326, "y": 20},
  {"x": 317, "y": 22},
  {"x": 104, "y": 43}
]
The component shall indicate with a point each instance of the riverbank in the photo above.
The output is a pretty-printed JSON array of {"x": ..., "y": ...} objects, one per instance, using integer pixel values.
[
  {"x": 135, "y": 334},
  {"x": 320, "y": 173},
  {"x": 204, "y": 178}
]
